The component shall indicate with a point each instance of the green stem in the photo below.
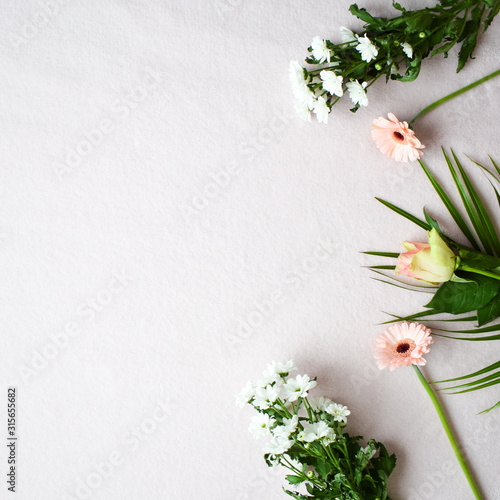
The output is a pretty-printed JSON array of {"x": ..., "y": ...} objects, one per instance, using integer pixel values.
[
  {"x": 449, "y": 433},
  {"x": 480, "y": 271},
  {"x": 453, "y": 95}
]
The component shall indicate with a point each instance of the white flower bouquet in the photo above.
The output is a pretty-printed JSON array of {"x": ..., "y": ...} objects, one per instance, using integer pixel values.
[
  {"x": 308, "y": 437},
  {"x": 390, "y": 48}
]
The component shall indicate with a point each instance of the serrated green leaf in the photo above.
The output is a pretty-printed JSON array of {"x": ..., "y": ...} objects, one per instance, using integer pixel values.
[{"x": 294, "y": 479}]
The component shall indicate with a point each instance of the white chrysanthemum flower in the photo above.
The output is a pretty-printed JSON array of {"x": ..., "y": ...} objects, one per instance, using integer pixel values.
[
  {"x": 304, "y": 95},
  {"x": 265, "y": 397},
  {"x": 303, "y": 111},
  {"x": 289, "y": 427},
  {"x": 315, "y": 431},
  {"x": 295, "y": 463},
  {"x": 320, "y": 51},
  {"x": 321, "y": 110},
  {"x": 367, "y": 49},
  {"x": 268, "y": 377},
  {"x": 329, "y": 438},
  {"x": 339, "y": 412},
  {"x": 296, "y": 74},
  {"x": 357, "y": 92},
  {"x": 347, "y": 35},
  {"x": 298, "y": 387},
  {"x": 407, "y": 49},
  {"x": 246, "y": 394},
  {"x": 320, "y": 404},
  {"x": 278, "y": 446},
  {"x": 332, "y": 83},
  {"x": 260, "y": 425},
  {"x": 281, "y": 368}
]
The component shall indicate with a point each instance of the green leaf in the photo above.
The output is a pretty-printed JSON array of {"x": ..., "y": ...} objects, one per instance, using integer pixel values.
[
  {"x": 495, "y": 9},
  {"x": 447, "y": 201},
  {"x": 488, "y": 378},
  {"x": 457, "y": 298},
  {"x": 487, "y": 233},
  {"x": 294, "y": 479},
  {"x": 494, "y": 366},
  {"x": 383, "y": 254},
  {"x": 492, "y": 408},
  {"x": 483, "y": 386},
  {"x": 408, "y": 216},
  {"x": 489, "y": 312},
  {"x": 478, "y": 260},
  {"x": 323, "y": 468}
]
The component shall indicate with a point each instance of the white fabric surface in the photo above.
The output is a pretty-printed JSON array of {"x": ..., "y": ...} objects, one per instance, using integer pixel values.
[{"x": 158, "y": 193}]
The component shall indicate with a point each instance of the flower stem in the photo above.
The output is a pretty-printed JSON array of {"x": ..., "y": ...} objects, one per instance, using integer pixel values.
[
  {"x": 449, "y": 433},
  {"x": 480, "y": 271},
  {"x": 453, "y": 95}
]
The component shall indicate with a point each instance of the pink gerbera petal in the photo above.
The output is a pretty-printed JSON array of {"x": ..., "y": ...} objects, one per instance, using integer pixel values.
[
  {"x": 396, "y": 139},
  {"x": 402, "y": 344}
]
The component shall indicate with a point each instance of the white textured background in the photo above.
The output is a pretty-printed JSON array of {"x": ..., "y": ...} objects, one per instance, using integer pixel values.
[{"x": 163, "y": 205}]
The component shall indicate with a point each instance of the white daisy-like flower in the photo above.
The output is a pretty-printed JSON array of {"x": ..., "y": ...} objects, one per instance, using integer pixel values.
[
  {"x": 303, "y": 111},
  {"x": 357, "y": 92},
  {"x": 246, "y": 394},
  {"x": 281, "y": 368},
  {"x": 321, "y": 110},
  {"x": 265, "y": 397},
  {"x": 347, "y": 35},
  {"x": 320, "y": 51},
  {"x": 289, "y": 427},
  {"x": 320, "y": 404},
  {"x": 268, "y": 377},
  {"x": 304, "y": 95},
  {"x": 295, "y": 463},
  {"x": 332, "y": 83},
  {"x": 315, "y": 431},
  {"x": 407, "y": 49},
  {"x": 296, "y": 74},
  {"x": 339, "y": 412},
  {"x": 278, "y": 446},
  {"x": 329, "y": 438},
  {"x": 298, "y": 387},
  {"x": 260, "y": 425},
  {"x": 367, "y": 49}
]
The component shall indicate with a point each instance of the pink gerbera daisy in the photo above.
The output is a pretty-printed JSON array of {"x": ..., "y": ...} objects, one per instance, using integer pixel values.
[
  {"x": 396, "y": 139},
  {"x": 402, "y": 344}
]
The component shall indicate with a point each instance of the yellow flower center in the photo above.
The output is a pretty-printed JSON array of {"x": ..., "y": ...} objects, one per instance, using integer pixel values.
[{"x": 404, "y": 348}]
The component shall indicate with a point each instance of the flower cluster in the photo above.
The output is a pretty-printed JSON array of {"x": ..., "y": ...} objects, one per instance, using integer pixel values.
[
  {"x": 307, "y": 436},
  {"x": 391, "y": 48}
]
